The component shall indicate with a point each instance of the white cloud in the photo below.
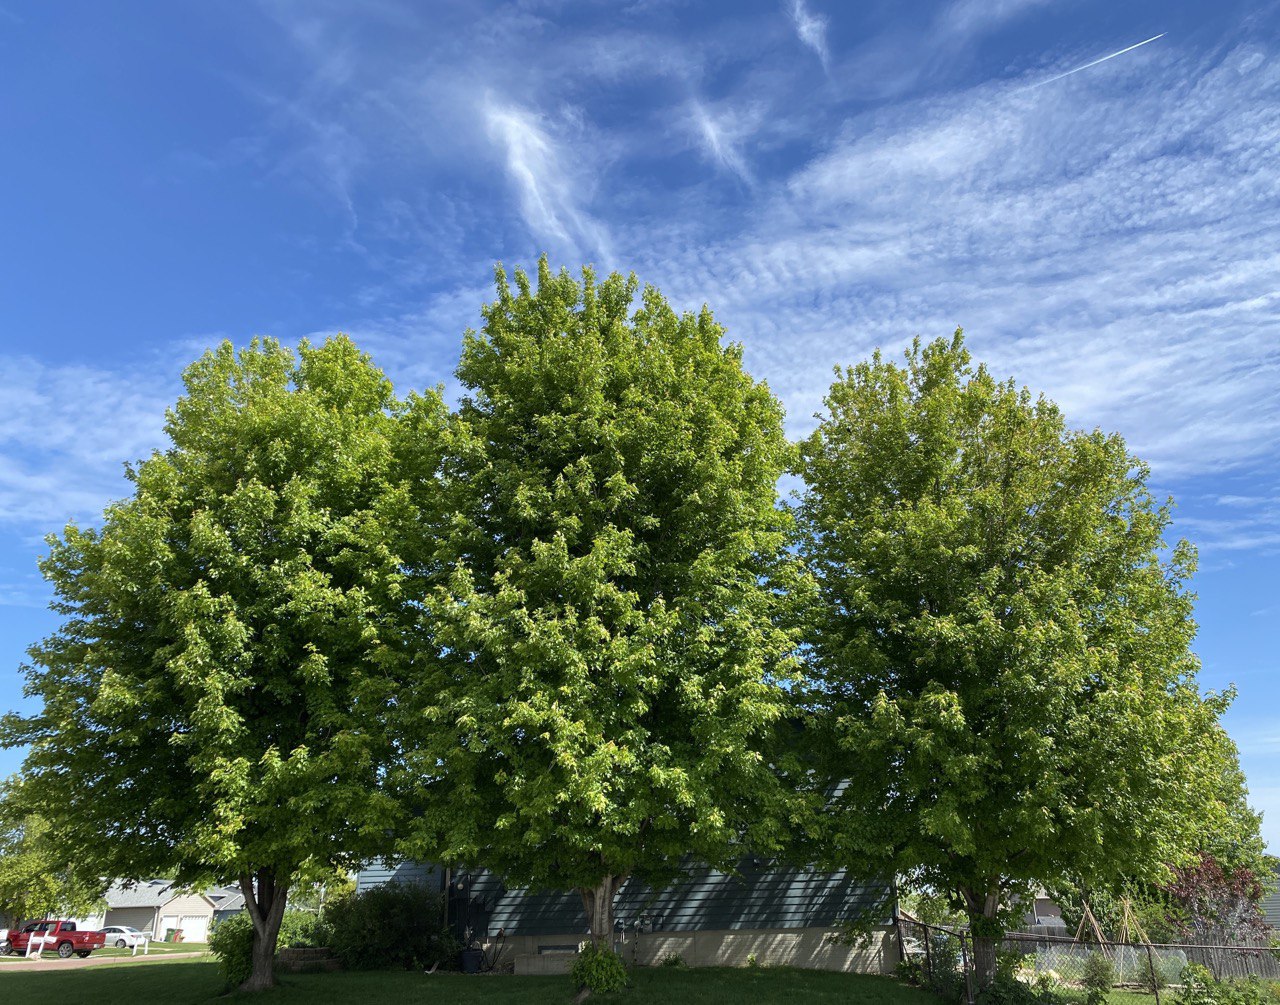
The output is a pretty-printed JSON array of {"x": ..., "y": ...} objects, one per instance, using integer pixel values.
[
  {"x": 967, "y": 18},
  {"x": 811, "y": 29},
  {"x": 1234, "y": 524},
  {"x": 720, "y": 139},
  {"x": 1108, "y": 241},
  {"x": 65, "y": 435},
  {"x": 549, "y": 192}
]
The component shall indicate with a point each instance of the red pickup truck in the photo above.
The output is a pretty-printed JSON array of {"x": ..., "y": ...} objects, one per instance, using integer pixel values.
[{"x": 61, "y": 936}]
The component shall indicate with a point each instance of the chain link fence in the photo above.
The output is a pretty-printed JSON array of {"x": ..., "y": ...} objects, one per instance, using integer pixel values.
[{"x": 941, "y": 959}]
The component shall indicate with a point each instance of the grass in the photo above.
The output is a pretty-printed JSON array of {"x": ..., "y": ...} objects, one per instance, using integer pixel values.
[{"x": 197, "y": 981}]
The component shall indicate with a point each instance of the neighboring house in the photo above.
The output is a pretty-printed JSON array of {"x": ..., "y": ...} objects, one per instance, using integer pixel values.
[
  {"x": 779, "y": 915},
  {"x": 1271, "y": 905},
  {"x": 155, "y": 906},
  {"x": 1043, "y": 917},
  {"x": 227, "y": 902}
]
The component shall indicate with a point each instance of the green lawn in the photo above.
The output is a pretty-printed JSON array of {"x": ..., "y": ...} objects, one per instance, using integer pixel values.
[{"x": 197, "y": 981}]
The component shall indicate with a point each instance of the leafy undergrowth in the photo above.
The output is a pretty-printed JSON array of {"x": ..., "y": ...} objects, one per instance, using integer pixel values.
[{"x": 199, "y": 981}]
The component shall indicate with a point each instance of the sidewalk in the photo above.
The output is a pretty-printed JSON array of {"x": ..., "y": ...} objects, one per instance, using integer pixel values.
[{"x": 52, "y": 962}]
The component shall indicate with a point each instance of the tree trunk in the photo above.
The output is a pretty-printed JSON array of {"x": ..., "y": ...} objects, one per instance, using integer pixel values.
[
  {"x": 265, "y": 900},
  {"x": 597, "y": 901},
  {"x": 983, "y": 911}
]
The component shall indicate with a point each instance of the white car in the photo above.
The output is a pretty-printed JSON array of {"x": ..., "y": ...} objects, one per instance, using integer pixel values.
[{"x": 124, "y": 937}]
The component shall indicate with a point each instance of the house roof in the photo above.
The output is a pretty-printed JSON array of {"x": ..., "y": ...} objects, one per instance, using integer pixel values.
[
  {"x": 146, "y": 893},
  {"x": 226, "y": 898}
]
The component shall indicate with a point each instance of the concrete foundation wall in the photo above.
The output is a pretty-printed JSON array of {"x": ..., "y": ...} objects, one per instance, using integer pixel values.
[{"x": 809, "y": 948}]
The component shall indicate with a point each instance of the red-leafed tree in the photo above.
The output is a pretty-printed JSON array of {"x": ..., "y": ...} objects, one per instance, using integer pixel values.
[{"x": 1216, "y": 905}]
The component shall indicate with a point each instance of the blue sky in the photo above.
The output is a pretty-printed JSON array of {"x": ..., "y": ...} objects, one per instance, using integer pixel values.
[{"x": 830, "y": 177}]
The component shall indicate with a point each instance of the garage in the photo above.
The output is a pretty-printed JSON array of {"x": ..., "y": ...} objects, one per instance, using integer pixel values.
[
  {"x": 157, "y": 906},
  {"x": 141, "y": 918},
  {"x": 194, "y": 928}
]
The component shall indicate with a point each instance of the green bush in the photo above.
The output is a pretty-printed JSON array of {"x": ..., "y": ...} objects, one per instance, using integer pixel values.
[
  {"x": 598, "y": 970},
  {"x": 399, "y": 926},
  {"x": 231, "y": 941},
  {"x": 674, "y": 961},
  {"x": 1154, "y": 977},
  {"x": 1008, "y": 990},
  {"x": 302, "y": 930},
  {"x": 1200, "y": 987},
  {"x": 1098, "y": 978}
]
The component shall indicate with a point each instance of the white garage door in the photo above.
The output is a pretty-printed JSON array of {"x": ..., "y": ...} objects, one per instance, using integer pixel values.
[{"x": 194, "y": 928}]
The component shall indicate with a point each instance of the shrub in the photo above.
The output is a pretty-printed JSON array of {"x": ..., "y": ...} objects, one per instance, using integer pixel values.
[
  {"x": 1154, "y": 977},
  {"x": 1200, "y": 987},
  {"x": 1007, "y": 990},
  {"x": 303, "y": 930},
  {"x": 231, "y": 941},
  {"x": 598, "y": 970},
  {"x": 673, "y": 960},
  {"x": 1013, "y": 986},
  {"x": 399, "y": 926},
  {"x": 1098, "y": 978}
]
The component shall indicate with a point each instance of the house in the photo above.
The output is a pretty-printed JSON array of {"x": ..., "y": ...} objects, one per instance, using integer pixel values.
[
  {"x": 776, "y": 914},
  {"x": 156, "y": 906},
  {"x": 1271, "y": 905},
  {"x": 1043, "y": 915},
  {"x": 227, "y": 901}
]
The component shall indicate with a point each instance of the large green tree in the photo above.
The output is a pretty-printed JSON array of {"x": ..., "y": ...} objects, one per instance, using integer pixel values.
[
  {"x": 606, "y": 655},
  {"x": 214, "y": 703},
  {"x": 1001, "y": 671},
  {"x": 40, "y": 876}
]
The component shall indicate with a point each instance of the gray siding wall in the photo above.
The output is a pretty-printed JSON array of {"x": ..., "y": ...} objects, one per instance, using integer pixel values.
[
  {"x": 1271, "y": 909},
  {"x": 760, "y": 896},
  {"x": 379, "y": 873}
]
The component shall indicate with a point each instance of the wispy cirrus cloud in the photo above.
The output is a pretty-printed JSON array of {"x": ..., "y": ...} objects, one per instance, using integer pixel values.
[
  {"x": 65, "y": 435},
  {"x": 811, "y": 29},
  {"x": 1118, "y": 258},
  {"x": 548, "y": 190},
  {"x": 1106, "y": 239},
  {"x": 720, "y": 138},
  {"x": 967, "y": 18}
]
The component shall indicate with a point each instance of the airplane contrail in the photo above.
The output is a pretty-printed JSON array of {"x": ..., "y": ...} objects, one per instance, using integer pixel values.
[{"x": 1096, "y": 61}]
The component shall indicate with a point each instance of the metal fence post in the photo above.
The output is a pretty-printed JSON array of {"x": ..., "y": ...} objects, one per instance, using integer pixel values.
[{"x": 1155, "y": 981}]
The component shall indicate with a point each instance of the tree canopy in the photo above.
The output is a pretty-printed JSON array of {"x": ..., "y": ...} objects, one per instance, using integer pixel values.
[
  {"x": 1001, "y": 672},
  {"x": 215, "y": 701},
  {"x": 602, "y": 596},
  {"x": 568, "y": 632},
  {"x": 40, "y": 875}
]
